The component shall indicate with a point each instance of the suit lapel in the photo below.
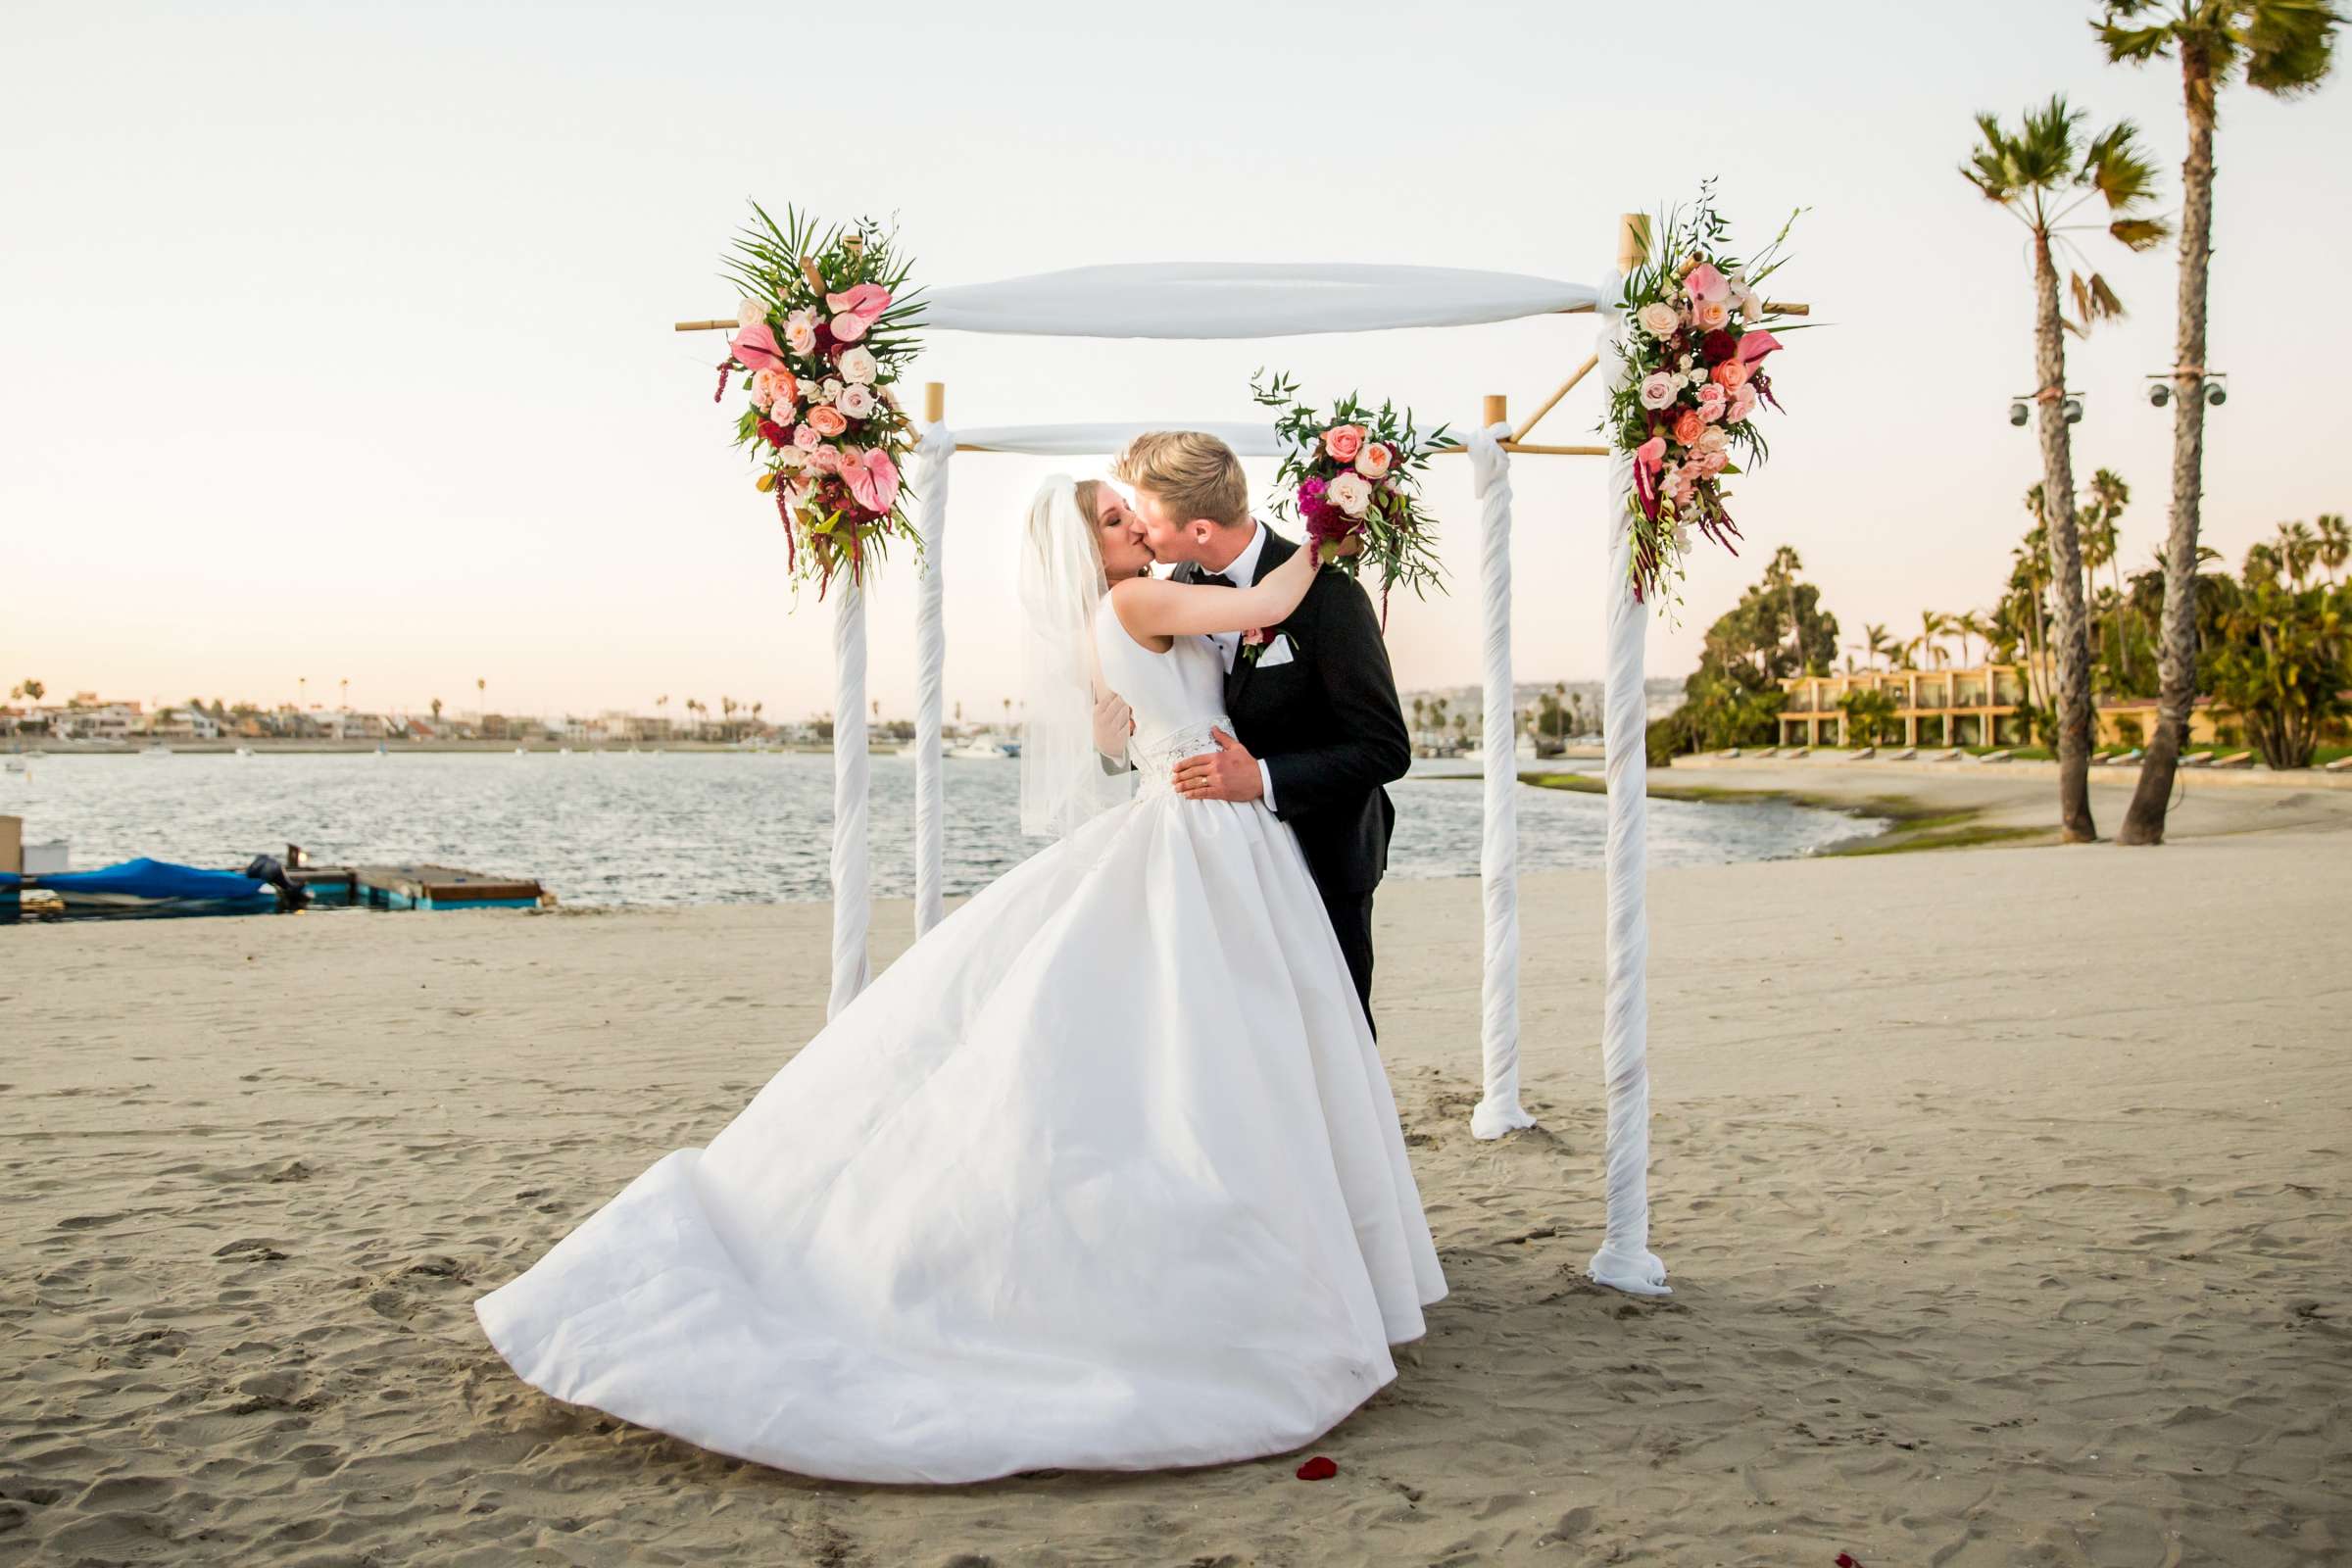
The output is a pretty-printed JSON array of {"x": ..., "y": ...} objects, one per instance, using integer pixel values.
[{"x": 1273, "y": 552}]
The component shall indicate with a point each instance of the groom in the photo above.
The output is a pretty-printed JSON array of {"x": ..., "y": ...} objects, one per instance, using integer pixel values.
[{"x": 1312, "y": 700}]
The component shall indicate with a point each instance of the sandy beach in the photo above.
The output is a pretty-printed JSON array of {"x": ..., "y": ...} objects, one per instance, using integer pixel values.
[{"x": 2007, "y": 1196}]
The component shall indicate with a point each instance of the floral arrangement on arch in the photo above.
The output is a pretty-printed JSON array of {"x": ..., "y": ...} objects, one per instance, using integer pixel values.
[
  {"x": 824, "y": 331},
  {"x": 1696, "y": 335},
  {"x": 1355, "y": 475}
]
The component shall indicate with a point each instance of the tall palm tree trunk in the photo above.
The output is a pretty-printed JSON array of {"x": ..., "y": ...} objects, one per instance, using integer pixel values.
[
  {"x": 2066, "y": 551},
  {"x": 2177, "y": 656}
]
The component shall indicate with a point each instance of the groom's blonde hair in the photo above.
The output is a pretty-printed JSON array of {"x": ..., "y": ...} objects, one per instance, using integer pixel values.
[{"x": 1192, "y": 472}]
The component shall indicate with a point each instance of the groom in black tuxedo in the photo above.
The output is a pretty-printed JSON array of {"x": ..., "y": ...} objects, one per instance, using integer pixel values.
[{"x": 1313, "y": 704}]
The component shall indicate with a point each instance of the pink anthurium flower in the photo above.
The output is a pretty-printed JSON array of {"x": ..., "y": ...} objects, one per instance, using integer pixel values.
[
  {"x": 857, "y": 310},
  {"x": 1707, "y": 282},
  {"x": 872, "y": 478},
  {"x": 1753, "y": 346},
  {"x": 1648, "y": 458},
  {"x": 754, "y": 348}
]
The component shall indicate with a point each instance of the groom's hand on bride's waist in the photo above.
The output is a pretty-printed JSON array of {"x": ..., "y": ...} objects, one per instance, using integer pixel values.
[{"x": 1228, "y": 773}]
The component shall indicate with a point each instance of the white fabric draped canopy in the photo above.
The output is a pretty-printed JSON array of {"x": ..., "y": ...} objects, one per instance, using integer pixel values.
[
  {"x": 1240, "y": 301},
  {"x": 1245, "y": 299}
]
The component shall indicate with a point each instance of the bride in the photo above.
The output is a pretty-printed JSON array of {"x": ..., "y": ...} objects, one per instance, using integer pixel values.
[{"x": 1104, "y": 1173}]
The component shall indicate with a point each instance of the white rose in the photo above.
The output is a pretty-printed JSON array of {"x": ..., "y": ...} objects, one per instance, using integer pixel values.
[
  {"x": 857, "y": 365},
  {"x": 749, "y": 312},
  {"x": 832, "y": 389},
  {"x": 1657, "y": 319},
  {"x": 1352, "y": 493},
  {"x": 857, "y": 402}
]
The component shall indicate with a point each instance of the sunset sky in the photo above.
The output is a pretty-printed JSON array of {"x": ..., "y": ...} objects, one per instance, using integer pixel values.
[{"x": 336, "y": 339}]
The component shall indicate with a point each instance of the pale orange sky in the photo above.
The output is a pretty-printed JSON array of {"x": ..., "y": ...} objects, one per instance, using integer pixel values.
[{"x": 336, "y": 341}]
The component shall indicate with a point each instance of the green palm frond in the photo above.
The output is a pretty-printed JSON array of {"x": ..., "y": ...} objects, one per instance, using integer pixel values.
[
  {"x": 2290, "y": 44},
  {"x": 2114, "y": 168}
]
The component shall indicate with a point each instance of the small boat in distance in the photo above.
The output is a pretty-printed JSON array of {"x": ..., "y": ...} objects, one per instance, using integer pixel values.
[
  {"x": 158, "y": 749},
  {"x": 981, "y": 748}
]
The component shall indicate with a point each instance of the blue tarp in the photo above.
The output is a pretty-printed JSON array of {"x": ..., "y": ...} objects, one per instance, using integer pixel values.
[{"x": 147, "y": 879}]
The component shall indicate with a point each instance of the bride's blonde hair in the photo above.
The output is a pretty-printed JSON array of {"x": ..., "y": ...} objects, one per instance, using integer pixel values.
[{"x": 1090, "y": 500}]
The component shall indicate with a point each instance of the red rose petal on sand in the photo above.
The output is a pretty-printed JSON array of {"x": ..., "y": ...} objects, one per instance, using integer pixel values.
[
  {"x": 1319, "y": 1468},
  {"x": 1845, "y": 1559}
]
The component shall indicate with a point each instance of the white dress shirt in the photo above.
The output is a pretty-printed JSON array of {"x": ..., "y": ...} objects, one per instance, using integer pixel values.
[{"x": 1241, "y": 571}]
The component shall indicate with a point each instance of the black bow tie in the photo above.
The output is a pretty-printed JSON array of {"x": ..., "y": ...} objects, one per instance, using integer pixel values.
[{"x": 1217, "y": 580}]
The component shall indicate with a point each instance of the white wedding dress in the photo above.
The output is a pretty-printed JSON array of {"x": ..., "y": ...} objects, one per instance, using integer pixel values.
[{"x": 1104, "y": 1173}]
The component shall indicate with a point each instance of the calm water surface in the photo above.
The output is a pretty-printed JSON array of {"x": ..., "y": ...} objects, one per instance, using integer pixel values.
[{"x": 717, "y": 828}]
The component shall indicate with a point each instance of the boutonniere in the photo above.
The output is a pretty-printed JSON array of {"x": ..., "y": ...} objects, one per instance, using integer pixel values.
[{"x": 1256, "y": 640}]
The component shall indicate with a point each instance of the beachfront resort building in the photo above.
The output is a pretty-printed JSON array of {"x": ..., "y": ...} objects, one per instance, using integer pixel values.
[
  {"x": 1932, "y": 707},
  {"x": 1979, "y": 707}
]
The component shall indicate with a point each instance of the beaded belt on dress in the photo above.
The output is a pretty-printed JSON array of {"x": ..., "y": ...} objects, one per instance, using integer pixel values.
[{"x": 1157, "y": 763}]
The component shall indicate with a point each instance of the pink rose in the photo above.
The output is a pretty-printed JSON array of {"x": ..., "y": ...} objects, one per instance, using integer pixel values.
[
  {"x": 755, "y": 347},
  {"x": 1375, "y": 461},
  {"x": 1706, "y": 284},
  {"x": 1658, "y": 318},
  {"x": 1743, "y": 403},
  {"x": 1711, "y": 402},
  {"x": 857, "y": 402},
  {"x": 1352, "y": 493},
  {"x": 1659, "y": 389},
  {"x": 800, "y": 331},
  {"x": 1713, "y": 439},
  {"x": 1344, "y": 442},
  {"x": 827, "y": 419},
  {"x": 1687, "y": 426},
  {"x": 1710, "y": 316},
  {"x": 872, "y": 478},
  {"x": 824, "y": 459},
  {"x": 806, "y": 439},
  {"x": 1712, "y": 463},
  {"x": 1255, "y": 637}
]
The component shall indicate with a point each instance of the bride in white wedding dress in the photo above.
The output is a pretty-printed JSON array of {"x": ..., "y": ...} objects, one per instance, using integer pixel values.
[{"x": 1104, "y": 1173}]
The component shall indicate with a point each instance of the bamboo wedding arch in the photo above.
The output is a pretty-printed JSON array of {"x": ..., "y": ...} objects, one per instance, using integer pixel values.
[{"x": 1265, "y": 300}]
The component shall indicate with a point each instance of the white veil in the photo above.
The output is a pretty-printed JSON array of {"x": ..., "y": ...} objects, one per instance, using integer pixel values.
[{"x": 1062, "y": 781}]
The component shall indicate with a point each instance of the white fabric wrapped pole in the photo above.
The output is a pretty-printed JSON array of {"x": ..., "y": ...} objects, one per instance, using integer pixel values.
[
  {"x": 936, "y": 452},
  {"x": 852, "y": 886},
  {"x": 1498, "y": 1112},
  {"x": 1625, "y": 1262}
]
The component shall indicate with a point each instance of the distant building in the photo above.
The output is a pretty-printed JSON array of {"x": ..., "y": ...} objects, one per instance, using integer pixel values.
[
  {"x": 1976, "y": 706},
  {"x": 1932, "y": 707}
]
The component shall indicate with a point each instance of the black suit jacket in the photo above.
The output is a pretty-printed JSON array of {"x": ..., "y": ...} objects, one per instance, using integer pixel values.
[{"x": 1327, "y": 725}]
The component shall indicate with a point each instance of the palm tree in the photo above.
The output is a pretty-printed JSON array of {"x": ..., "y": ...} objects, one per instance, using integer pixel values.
[
  {"x": 2335, "y": 544},
  {"x": 36, "y": 691},
  {"x": 1876, "y": 641},
  {"x": 436, "y": 710},
  {"x": 2299, "y": 548},
  {"x": 2043, "y": 175},
  {"x": 2285, "y": 48},
  {"x": 2100, "y": 516},
  {"x": 1932, "y": 623},
  {"x": 1781, "y": 573}
]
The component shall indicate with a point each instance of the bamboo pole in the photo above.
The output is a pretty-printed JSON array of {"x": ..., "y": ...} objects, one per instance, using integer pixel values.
[
  {"x": 935, "y": 402},
  {"x": 1553, "y": 401}
]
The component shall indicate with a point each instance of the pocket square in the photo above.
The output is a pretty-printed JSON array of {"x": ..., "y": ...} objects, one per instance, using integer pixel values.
[{"x": 1278, "y": 652}]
